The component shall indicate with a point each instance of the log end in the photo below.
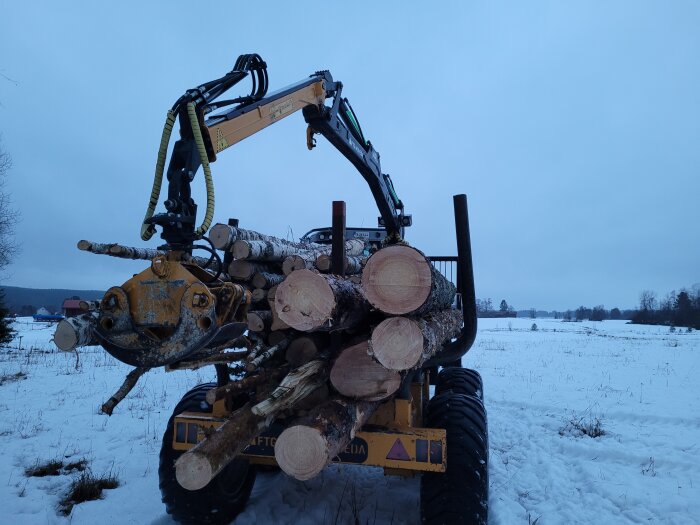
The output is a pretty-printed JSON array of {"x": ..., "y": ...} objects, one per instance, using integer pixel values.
[
  {"x": 304, "y": 300},
  {"x": 65, "y": 337},
  {"x": 397, "y": 343},
  {"x": 220, "y": 236},
  {"x": 355, "y": 374},
  {"x": 301, "y": 452},
  {"x": 193, "y": 471},
  {"x": 397, "y": 279},
  {"x": 84, "y": 245}
]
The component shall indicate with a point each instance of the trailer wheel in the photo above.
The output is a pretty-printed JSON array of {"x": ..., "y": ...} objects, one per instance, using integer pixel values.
[
  {"x": 460, "y": 494},
  {"x": 463, "y": 381},
  {"x": 223, "y": 498}
]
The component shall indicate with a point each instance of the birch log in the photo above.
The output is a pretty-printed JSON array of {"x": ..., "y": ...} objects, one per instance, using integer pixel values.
[
  {"x": 199, "y": 465},
  {"x": 245, "y": 270},
  {"x": 305, "y": 448},
  {"x": 358, "y": 376},
  {"x": 130, "y": 252},
  {"x": 305, "y": 348},
  {"x": 401, "y": 343},
  {"x": 400, "y": 280},
  {"x": 309, "y": 301},
  {"x": 266, "y": 280},
  {"x": 73, "y": 332},
  {"x": 259, "y": 320},
  {"x": 353, "y": 263},
  {"x": 296, "y": 262}
]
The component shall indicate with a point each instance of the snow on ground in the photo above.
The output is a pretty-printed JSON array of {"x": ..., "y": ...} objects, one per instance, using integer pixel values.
[{"x": 541, "y": 387}]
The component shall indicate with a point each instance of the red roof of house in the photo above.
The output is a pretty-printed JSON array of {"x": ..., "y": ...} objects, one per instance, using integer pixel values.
[{"x": 71, "y": 303}]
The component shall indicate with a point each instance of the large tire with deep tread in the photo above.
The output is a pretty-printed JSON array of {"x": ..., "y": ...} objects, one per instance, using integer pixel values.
[
  {"x": 223, "y": 498},
  {"x": 463, "y": 381},
  {"x": 459, "y": 496}
]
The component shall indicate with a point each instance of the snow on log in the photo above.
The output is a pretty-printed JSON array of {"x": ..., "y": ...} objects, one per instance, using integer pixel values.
[
  {"x": 309, "y": 301},
  {"x": 400, "y": 280},
  {"x": 401, "y": 343},
  {"x": 305, "y": 448},
  {"x": 355, "y": 374}
]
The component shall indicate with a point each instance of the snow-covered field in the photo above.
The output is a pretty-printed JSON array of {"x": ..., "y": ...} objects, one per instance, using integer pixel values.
[{"x": 541, "y": 387}]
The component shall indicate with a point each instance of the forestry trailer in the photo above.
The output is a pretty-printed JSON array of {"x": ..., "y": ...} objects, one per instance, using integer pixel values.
[{"x": 325, "y": 350}]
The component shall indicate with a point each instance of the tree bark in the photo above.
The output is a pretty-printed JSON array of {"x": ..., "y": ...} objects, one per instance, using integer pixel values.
[
  {"x": 306, "y": 447},
  {"x": 358, "y": 376},
  {"x": 245, "y": 270},
  {"x": 223, "y": 236},
  {"x": 128, "y": 385},
  {"x": 400, "y": 280},
  {"x": 353, "y": 263},
  {"x": 258, "y": 296},
  {"x": 305, "y": 348},
  {"x": 266, "y": 280},
  {"x": 259, "y": 320},
  {"x": 402, "y": 343},
  {"x": 272, "y": 250},
  {"x": 199, "y": 465},
  {"x": 296, "y": 262},
  {"x": 245, "y": 384},
  {"x": 309, "y": 301},
  {"x": 129, "y": 252},
  {"x": 268, "y": 354},
  {"x": 73, "y": 332}
]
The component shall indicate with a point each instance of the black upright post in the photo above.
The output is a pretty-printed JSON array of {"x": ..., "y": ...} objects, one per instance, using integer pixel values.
[{"x": 338, "y": 246}]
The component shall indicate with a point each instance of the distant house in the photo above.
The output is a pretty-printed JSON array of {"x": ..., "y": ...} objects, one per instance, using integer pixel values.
[
  {"x": 71, "y": 307},
  {"x": 43, "y": 314}
]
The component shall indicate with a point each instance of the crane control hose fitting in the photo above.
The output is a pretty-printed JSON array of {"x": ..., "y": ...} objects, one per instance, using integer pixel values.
[
  {"x": 204, "y": 159},
  {"x": 147, "y": 230}
]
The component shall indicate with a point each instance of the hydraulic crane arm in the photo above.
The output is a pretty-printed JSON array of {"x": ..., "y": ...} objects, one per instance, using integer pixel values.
[{"x": 202, "y": 137}]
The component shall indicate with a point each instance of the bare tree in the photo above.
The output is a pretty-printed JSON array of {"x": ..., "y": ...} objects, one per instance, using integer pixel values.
[{"x": 8, "y": 215}]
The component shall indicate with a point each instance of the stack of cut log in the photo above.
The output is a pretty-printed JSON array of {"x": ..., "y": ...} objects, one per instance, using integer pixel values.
[{"x": 324, "y": 350}]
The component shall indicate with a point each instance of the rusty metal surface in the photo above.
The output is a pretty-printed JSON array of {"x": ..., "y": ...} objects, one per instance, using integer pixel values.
[{"x": 165, "y": 313}]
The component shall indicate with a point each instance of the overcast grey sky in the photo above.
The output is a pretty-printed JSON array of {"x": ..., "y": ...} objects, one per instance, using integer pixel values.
[{"x": 573, "y": 127}]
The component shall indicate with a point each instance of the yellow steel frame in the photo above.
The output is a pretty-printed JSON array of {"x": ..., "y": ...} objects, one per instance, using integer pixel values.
[{"x": 393, "y": 438}]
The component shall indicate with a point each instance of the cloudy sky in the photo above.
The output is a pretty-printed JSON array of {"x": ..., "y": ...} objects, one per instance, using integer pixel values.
[{"x": 573, "y": 127}]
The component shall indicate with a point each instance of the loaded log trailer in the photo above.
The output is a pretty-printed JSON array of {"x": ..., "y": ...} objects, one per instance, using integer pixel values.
[{"x": 325, "y": 350}]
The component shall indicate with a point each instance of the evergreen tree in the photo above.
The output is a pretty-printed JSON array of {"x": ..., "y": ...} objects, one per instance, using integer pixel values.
[{"x": 6, "y": 331}]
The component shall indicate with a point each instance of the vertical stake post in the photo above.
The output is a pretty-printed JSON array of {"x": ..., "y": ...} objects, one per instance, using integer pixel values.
[{"x": 338, "y": 239}]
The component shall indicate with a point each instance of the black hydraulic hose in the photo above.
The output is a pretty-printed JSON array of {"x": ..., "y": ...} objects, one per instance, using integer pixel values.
[{"x": 214, "y": 256}]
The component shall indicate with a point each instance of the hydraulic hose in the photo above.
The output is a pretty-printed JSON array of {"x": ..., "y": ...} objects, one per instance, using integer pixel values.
[
  {"x": 147, "y": 230},
  {"x": 204, "y": 159}
]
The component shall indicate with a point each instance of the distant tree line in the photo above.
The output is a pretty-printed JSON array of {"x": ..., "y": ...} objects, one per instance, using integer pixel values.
[
  {"x": 484, "y": 308},
  {"x": 597, "y": 313},
  {"x": 674, "y": 309}
]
